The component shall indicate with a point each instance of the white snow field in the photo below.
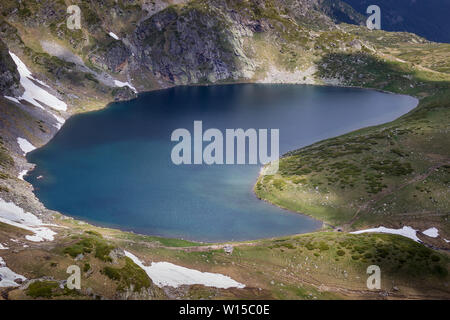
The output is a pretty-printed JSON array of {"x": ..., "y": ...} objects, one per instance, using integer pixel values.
[
  {"x": 7, "y": 276},
  {"x": 432, "y": 232},
  {"x": 15, "y": 216},
  {"x": 33, "y": 93},
  {"x": 405, "y": 231},
  {"x": 25, "y": 145},
  {"x": 168, "y": 274},
  {"x": 123, "y": 84}
]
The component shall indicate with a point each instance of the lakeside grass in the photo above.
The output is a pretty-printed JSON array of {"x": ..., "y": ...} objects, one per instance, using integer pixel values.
[
  {"x": 295, "y": 267},
  {"x": 321, "y": 265},
  {"x": 378, "y": 173},
  {"x": 167, "y": 242}
]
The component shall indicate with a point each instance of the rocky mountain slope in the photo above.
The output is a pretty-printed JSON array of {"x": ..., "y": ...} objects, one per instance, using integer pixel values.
[
  {"x": 50, "y": 72},
  {"x": 10, "y": 78}
]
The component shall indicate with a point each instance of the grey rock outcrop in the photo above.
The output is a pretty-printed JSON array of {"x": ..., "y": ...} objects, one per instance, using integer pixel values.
[
  {"x": 192, "y": 45},
  {"x": 9, "y": 76}
]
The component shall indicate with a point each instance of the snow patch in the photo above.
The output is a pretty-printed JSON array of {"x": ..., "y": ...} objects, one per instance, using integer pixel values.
[
  {"x": 25, "y": 145},
  {"x": 447, "y": 241},
  {"x": 405, "y": 231},
  {"x": 22, "y": 174},
  {"x": 113, "y": 35},
  {"x": 33, "y": 93},
  {"x": 2, "y": 247},
  {"x": 168, "y": 274},
  {"x": 123, "y": 84},
  {"x": 432, "y": 232},
  {"x": 17, "y": 217},
  {"x": 7, "y": 276},
  {"x": 59, "y": 119},
  {"x": 12, "y": 99}
]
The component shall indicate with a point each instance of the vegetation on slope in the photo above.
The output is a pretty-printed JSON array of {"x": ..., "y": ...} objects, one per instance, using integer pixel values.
[
  {"x": 394, "y": 174},
  {"x": 323, "y": 265}
]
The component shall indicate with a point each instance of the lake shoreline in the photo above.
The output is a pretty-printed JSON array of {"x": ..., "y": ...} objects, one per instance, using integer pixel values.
[{"x": 267, "y": 202}]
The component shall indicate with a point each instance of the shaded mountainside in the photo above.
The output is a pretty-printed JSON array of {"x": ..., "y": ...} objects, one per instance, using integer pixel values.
[
  {"x": 9, "y": 83},
  {"x": 394, "y": 175}
]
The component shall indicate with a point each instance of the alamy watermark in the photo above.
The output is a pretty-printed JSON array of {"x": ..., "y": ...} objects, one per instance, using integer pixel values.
[
  {"x": 190, "y": 149},
  {"x": 374, "y": 280},
  {"x": 74, "y": 20},
  {"x": 74, "y": 280},
  {"x": 374, "y": 20}
]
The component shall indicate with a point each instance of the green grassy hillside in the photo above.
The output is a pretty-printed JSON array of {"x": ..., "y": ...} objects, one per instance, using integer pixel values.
[{"x": 393, "y": 174}]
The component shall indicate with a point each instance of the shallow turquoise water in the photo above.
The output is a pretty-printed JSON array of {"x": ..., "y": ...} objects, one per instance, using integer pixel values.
[{"x": 113, "y": 167}]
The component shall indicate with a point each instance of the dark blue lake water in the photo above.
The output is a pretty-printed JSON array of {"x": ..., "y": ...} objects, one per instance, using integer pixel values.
[{"x": 113, "y": 167}]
